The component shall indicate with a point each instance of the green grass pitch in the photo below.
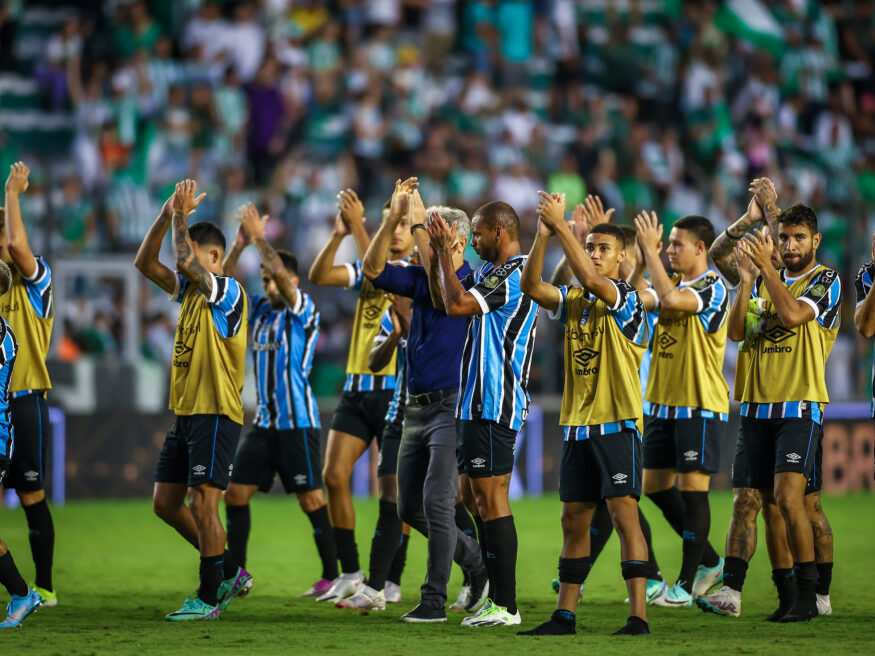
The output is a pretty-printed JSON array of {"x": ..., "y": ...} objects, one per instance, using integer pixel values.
[{"x": 118, "y": 570}]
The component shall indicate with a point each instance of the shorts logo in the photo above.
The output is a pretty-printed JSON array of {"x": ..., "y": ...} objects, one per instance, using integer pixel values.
[
  {"x": 777, "y": 334},
  {"x": 583, "y": 356},
  {"x": 372, "y": 312},
  {"x": 300, "y": 479},
  {"x": 691, "y": 455},
  {"x": 479, "y": 463},
  {"x": 619, "y": 479},
  {"x": 199, "y": 470},
  {"x": 31, "y": 476},
  {"x": 666, "y": 341},
  {"x": 793, "y": 458}
]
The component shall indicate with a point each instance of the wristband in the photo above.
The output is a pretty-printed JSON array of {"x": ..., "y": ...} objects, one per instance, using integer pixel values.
[{"x": 415, "y": 226}]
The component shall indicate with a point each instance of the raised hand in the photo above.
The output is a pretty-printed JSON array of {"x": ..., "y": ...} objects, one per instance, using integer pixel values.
[
  {"x": 417, "y": 208},
  {"x": 758, "y": 247},
  {"x": 747, "y": 270},
  {"x": 184, "y": 200},
  {"x": 251, "y": 222},
  {"x": 440, "y": 235},
  {"x": 400, "y": 202},
  {"x": 351, "y": 209},
  {"x": 17, "y": 181},
  {"x": 755, "y": 211},
  {"x": 649, "y": 232},
  {"x": 594, "y": 211},
  {"x": 764, "y": 191},
  {"x": 243, "y": 238},
  {"x": 551, "y": 209}
]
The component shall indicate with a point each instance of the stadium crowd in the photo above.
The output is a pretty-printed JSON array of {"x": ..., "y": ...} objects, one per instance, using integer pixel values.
[{"x": 653, "y": 105}]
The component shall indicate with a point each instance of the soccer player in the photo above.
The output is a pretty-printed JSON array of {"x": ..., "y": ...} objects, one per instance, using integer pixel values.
[
  {"x": 205, "y": 385},
  {"x": 285, "y": 437},
  {"x": 741, "y": 538},
  {"x": 584, "y": 218},
  {"x": 28, "y": 305},
  {"x": 493, "y": 397},
  {"x": 360, "y": 415},
  {"x": 784, "y": 388},
  {"x": 24, "y": 599},
  {"x": 687, "y": 396},
  {"x": 428, "y": 478},
  {"x": 606, "y": 334},
  {"x": 864, "y": 316}
]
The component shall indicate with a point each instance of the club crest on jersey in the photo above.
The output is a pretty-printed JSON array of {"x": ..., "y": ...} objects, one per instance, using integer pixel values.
[
  {"x": 818, "y": 290},
  {"x": 491, "y": 282}
]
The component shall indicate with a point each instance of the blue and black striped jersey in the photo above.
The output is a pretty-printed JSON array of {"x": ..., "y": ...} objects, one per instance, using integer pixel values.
[
  {"x": 395, "y": 413},
  {"x": 283, "y": 342},
  {"x": 8, "y": 351},
  {"x": 498, "y": 346},
  {"x": 863, "y": 285}
]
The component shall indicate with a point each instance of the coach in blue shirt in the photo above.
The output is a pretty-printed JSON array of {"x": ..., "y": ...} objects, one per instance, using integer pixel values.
[{"x": 427, "y": 473}]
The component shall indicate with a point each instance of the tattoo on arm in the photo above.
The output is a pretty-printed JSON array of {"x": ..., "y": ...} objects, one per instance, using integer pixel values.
[
  {"x": 186, "y": 259},
  {"x": 721, "y": 253},
  {"x": 434, "y": 285},
  {"x": 772, "y": 211},
  {"x": 451, "y": 288},
  {"x": 274, "y": 264}
]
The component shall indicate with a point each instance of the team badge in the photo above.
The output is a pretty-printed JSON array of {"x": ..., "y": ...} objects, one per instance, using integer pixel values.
[{"x": 491, "y": 282}]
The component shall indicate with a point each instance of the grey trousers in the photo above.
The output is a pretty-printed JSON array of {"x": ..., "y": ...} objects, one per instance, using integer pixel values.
[{"x": 428, "y": 480}]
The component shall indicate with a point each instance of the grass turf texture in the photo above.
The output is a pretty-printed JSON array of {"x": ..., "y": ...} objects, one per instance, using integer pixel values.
[{"x": 119, "y": 570}]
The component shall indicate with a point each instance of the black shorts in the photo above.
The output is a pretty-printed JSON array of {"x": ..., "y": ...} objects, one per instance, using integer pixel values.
[
  {"x": 483, "y": 448},
  {"x": 293, "y": 454},
  {"x": 387, "y": 465},
  {"x": 600, "y": 467},
  {"x": 198, "y": 449},
  {"x": 362, "y": 414},
  {"x": 30, "y": 421},
  {"x": 740, "y": 474},
  {"x": 774, "y": 446},
  {"x": 685, "y": 445}
]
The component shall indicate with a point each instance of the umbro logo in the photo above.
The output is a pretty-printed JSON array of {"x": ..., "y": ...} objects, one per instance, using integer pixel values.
[
  {"x": 665, "y": 341},
  {"x": 198, "y": 470},
  {"x": 583, "y": 356},
  {"x": 181, "y": 349},
  {"x": 691, "y": 455},
  {"x": 793, "y": 458},
  {"x": 31, "y": 476},
  {"x": 619, "y": 479},
  {"x": 300, "y": 479},
  {"x": 372, "y": 312},
  {"x": 479, "y": 463},
  {"x": 777, "y": 334}
]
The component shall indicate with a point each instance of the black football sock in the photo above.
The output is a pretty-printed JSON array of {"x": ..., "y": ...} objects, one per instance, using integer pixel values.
[
  {"x": 229, "y": 565},
  {"x": 10, "y": 577},
  {"x": 387, "y": 540},
  {"x": 501, "y": 539},
  {"x": 398, "y": 562},
  {"x": 734, "y": 572},
  {"x": 237, "y": 525},
  {"x": 805, "y": 606},
  {"x": 671, "y": 503},
  {"x": 465, "y": 523},
  {"x": 347, "y": 550},
  {"x": 652, "y": 567},
  {"x": 634, "y": 626},
  {"x": 824, "y": 578},
  {"x": 211, "y": 578},
  {"x": 487, "y": 562},
  {"x": 42, "y": 541},
  {"x": 599, "y": 530},
  {"x": 324, "y": 538},
  {"x": 562, "y": 622},
  {"x": 785, "y": 582},
  {"x": 697, "y": 524}
]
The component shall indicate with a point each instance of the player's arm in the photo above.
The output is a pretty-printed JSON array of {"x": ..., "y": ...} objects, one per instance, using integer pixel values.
[
  {"x": 147, "y": 261},
  {"x": 324, "y": 271},
  {"x": 253, "y": 224},
  {"x": 544, "y": 294},
  {"x": 722, "y": 251},
  {"x": 19, "y": 247},
  {"x": 748, "y": 274},
  {"x": 552, "y": 212},
  {"x": 184, "y": 203},
  {"x": 864, "y": 315},
  {"x": 456, "y": 301},
  {"x": 764, "y": 192},
  {"x": 791, "y": 311},
  {"x": 584, "y": 218},
  {"x": 386, "y": 342},
  {"x": 374, "y": 260},
  {"x": 241, "y": 241},
  {"x": 670, "y": 297},
  {"x": 420, "y": 235}
]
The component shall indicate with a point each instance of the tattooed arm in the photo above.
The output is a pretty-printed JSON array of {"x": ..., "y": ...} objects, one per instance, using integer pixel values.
[
  {"x": 722, "y": 249},
  {"x": 763, "y": 190},
  {"x": 253, "y": 224},
  {"x": 147, "y": 261},
  {"x": 184, "y": 203}
]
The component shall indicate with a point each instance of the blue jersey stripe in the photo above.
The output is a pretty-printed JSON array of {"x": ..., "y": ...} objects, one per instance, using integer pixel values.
[{"x": 8, "y": 353}]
